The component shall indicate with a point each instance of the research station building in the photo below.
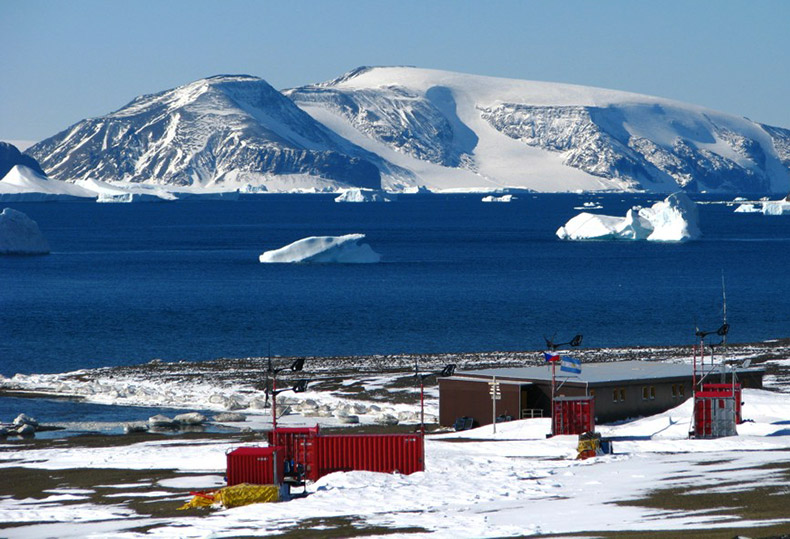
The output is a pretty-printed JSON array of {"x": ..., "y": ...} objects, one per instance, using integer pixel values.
[{"x": 622, "y": 389}]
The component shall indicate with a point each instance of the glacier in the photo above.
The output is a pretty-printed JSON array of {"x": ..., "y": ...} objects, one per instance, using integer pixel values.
[
  {"x": 20, "y": 235},
  {"x": 456, "y": 131},
  {"x": 324, "y": 250},
  {"x": 674, "y": 219}
]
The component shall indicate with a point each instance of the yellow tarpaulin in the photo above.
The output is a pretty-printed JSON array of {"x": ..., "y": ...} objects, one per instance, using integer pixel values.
[{"x": 243, "y": 494}]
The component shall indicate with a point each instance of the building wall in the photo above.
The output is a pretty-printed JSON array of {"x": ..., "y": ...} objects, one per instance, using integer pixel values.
[
  {"x": 459, "y": 398},
  {"x": 636, "y": 398}
]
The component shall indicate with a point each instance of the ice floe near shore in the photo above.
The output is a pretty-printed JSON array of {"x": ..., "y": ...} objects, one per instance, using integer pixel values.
[
  {"x": 673, "y": 219},
  {"x": 20, "y": 235},
  {"x": 324, "y": 250}
]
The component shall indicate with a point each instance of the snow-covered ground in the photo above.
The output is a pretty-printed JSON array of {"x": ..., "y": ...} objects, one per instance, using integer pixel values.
[
  {"x": 477, "y": 483},
  {"x": 516, "y": 482}
]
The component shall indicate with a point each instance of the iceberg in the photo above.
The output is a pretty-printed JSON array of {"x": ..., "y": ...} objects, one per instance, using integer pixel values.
[
  {"x": 503, "y": 198},
  {"x": 20, "y": 235},
  {"x": 364, "y": 195},
  {"x": 747, "y": 208},
  {"x": 324, "y": 250},
  {"x": 673, "y": 219},
  {"x": 23, "y": 184},
  {"x": 776, "y": 207}
]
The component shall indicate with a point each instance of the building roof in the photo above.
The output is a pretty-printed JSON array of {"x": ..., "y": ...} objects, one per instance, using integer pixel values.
[{"x": 595, "y": 373}]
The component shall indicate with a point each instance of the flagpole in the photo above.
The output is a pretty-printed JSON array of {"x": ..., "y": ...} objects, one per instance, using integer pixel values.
[{"x": 553, "y": 371}]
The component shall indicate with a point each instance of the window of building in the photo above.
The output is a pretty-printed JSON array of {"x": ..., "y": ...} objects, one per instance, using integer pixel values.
[
  {"x": 645, "y": 393},
  {"x": 622, "y": 394},
  {"x": 615, "y": 394},
  {"x": 652, "y": 392},
  {"x": 674, "y": 391},
  {"x": 681, "y": 391}
]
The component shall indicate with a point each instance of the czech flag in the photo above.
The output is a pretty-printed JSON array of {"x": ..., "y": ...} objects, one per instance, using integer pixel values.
[
  {"x": 551, "y": 358},
  {"x": 570, "y": 364}
]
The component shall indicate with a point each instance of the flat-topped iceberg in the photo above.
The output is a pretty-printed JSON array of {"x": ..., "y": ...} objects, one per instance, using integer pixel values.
[
  {"x": 324, "y": 250},
  {"x": 673, "y": 219},
  {"x": 20, "y": 235},
  {"x": 364, "y": 195}
]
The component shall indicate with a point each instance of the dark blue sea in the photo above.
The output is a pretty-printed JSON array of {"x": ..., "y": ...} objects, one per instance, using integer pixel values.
[{"x": 127, "y": 283}]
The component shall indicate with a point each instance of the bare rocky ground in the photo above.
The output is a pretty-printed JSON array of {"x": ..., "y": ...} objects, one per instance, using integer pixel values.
[{"x": 339, "y": 374}]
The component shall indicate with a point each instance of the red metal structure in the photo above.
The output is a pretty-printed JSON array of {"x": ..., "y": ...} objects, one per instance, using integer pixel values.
[
  {"x": 573, "y": 415},
  {"x": 731, "y": 391},
  {"x": 313, "y": 455},
  {"x": 256, "y": 465},
  {"x": 300, "y": 447},
  {"x": 387, "y": 453},
  {"x": 714, "y": 414}
]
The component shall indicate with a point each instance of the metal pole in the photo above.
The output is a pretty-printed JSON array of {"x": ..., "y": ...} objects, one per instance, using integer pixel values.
[
  {"x": 274, "y": 401},
  {"x": 553, "y": 371},
  {"x": 422, "y": 407},
  {"x": 493, "y": 404}
]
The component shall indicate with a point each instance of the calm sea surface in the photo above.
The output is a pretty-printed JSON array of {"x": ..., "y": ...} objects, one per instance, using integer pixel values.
[{"x": 127, "y": 283}]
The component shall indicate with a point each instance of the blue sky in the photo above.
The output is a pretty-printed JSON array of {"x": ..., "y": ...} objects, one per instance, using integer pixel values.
[{"x": 62, "y": 62}]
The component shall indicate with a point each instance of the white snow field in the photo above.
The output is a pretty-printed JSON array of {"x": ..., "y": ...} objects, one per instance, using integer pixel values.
[
  {"x": 20, "y": 235},
  {"x": 476, "y": 484},
  {"x": 673, "y": 219},
  {"x": 486, "y": 133},
  {"x": 324, "y": 250},
  {"x": 364, "y": 195}
]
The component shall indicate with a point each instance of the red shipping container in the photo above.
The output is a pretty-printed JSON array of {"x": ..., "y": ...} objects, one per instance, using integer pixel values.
[
  {"x": 256, "y": 465},
  {"x": 299, "y": 446},
  {"x": 727, "y": 389},
  {"x": 387, "y": 453},
  {"x": 573, "y": 415}
]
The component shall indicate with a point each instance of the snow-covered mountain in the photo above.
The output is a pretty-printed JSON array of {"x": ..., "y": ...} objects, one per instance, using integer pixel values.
[
  {"x": 219, "y": 133},
  {"x": 452, "y": 130},
  {"x": 400, "y": 128}
]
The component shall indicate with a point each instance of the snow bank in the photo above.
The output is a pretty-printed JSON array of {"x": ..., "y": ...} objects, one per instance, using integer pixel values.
[
  {"x": 672, "y": 219},
  {"x": 20, "y": 235},
  {"x": 503, "y": 198},
  {"x": 364, "y": 195},
  {"x": 25, "y": 184},
  {"x": 324, "y": 250}
]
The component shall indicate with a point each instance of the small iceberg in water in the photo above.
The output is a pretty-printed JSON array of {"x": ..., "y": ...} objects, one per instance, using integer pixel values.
[
  {"x": 503, "y": 198},
  {"x": 20, "y": 235},
  {"x": 364, "y": 195},
  {"x": 674, "y": 219},
  {"x": 324, "y": 250}
]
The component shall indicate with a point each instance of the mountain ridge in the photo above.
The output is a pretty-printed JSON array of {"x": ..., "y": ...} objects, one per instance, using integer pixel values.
[{"x": 404, "y": 127}]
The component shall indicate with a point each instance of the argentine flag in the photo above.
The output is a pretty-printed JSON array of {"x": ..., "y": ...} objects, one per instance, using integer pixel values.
[{"x": 571, "y": 365}]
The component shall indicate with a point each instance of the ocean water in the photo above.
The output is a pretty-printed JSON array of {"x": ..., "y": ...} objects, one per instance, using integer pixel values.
[{"x": 127, "y": 283}]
